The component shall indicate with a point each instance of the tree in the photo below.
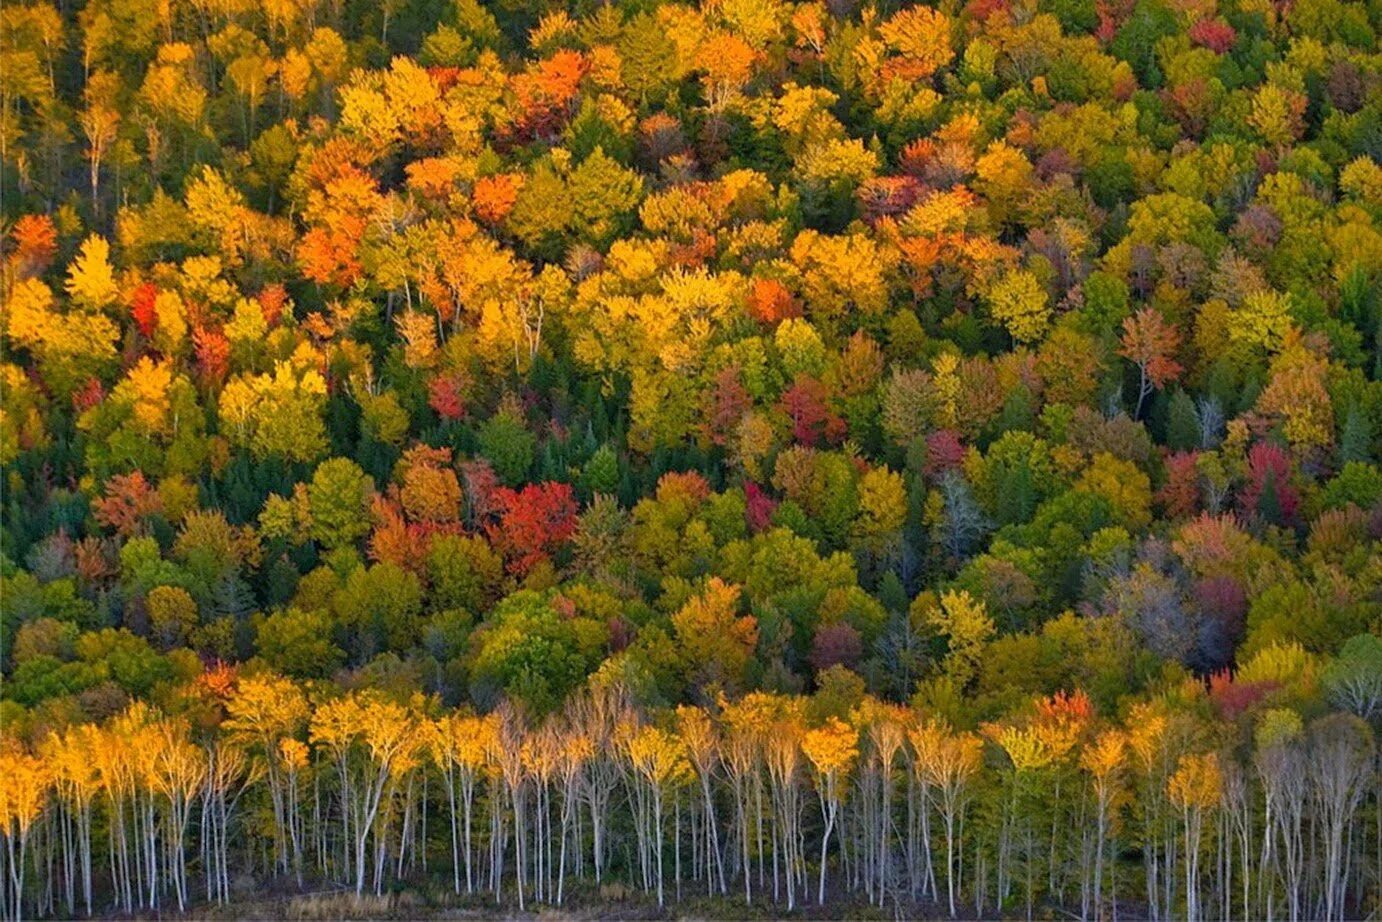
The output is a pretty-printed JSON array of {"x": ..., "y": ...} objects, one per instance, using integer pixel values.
[
  {"x": 832, "y": 750},
  {"x": 264, "y": 712},
  {"x": 1019, "y": 303},
  {"x": 1150, "y": 343},
  {"x": 1196, "y": 787},
  {"x": 378, "y": 607},
  {"x": 966, "y": 626},
  {"x": 338, "y": 501},
  {"x": 532, "y": 523},
  {"x": 277, "y": 414},
  {"x": 172, "y": 615},
  {"x": 532, "y": 654},
  {"x": 507, "y": 443},
  {"x": 718, "y": 643},
  {"x": 91, "y": 278},
  {"x": 1354, "y": 678},
  {"x": 298, "y": 643}
]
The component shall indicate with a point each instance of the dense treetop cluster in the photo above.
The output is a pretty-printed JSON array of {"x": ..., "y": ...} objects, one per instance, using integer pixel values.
[{"x": 954, "y": 356}]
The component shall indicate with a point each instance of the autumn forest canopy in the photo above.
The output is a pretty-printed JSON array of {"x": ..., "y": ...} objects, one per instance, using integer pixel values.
[{"x": 709, "y": 457}]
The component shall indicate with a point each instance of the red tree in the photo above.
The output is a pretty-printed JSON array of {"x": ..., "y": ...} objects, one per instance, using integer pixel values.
[{"x": 533, "y": 523}]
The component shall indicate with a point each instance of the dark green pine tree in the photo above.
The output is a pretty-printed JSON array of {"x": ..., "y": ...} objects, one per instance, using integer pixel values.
[
  {"x": 1016, "y": 496},
  {"x": 1182, "y": 423},
  {"x": 1269, "y": 501},
  {"x": 1355, "y": 440},
  {"x": 1017, "y": 411},
  {"x": 601, "y": 473}
]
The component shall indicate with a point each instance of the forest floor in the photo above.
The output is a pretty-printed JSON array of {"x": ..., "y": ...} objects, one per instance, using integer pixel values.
[{"x": 615, "y": 902}]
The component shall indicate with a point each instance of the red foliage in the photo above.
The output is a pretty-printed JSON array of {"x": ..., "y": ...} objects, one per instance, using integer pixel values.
[
  {"x": 445, "y": 395},
  {"x": 565, "y": 607},
  {"x": 89, "y": 395},
  {"x": 836, "y": 645},
  {"x": 213, "y": 355},
  {"x": 1232, "y": 698},
  {"x": 1191, "y": 104},
  {"x": 728, "y": 402},
  {"x": 480, "y": 485},
  {"x": 805, "y": 403},
  {"x": 1066, "y": 708},
  {"x": 1180, "y": 496},
  {"x": 1112, "y": 15},
  {"x": 1214, "y": 34},
  {"x": 1269, "y": 492},
  {"x": 944, "y": 452},
  {"x": 128, "y": 499},
  {"x": 981, "y": 10},
  {"x": 533, "y": 523},
  {"x": 760, "y": 507},
  {"x": 273, "y": 299},
  {"x": 142, "y": 308},
  {"x": 888, "y": 195}
]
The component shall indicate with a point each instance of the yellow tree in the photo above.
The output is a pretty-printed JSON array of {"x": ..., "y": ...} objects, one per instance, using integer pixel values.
[
  {"x": 388, "y": 731},
  {"x": 1196, "y": 788},
  {"x": 832, "y": 750},
  {"x": 1019, "y": 303},
  {"x": 701, "y": 738},
  {"x": 885, "y": 727},
  {"x": 459, "y": 744},
  {"x": 1104, "y": 759},
  {"x": 1152, "y": 754},
  {"x": 75, "y": 782},
  {"x": 659, "y": 762},
  {"x": 965, "y": 623},
  {"x": 577, "y": 751},
  {"x": 541, "y": 755},
  {"x": 265, "y": 711},
  {"x": 947, "y": 761},
  {"x": 178, "y": 773},
  {"x": 782, "y": 752},
  {"x": 746, "y": 721},
  {"x": 505, "y": 759},
  {"x": 1028, "y": 757},
  {"x": 23, "y": 796}
]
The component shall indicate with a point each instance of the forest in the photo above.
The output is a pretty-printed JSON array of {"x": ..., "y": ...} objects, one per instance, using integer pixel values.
[{"x": 691, "y": 458}]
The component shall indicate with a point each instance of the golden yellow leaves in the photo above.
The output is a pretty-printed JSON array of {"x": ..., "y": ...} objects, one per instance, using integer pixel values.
[
  {"x": 22, "y": 796},
  {"x": 1020, "y": 304},
  {"x": 91, "y": 277},
  {"x": 1197, "y": 782},
  {"x": 841, "y": 273},
  {"x": 920, "y": 36},
  {"x": 657, "y": 755},
  {"x": 965, "y": 623},
  {"x": 943, "y": 757},
  {"x": 266, "y": 708},
  {"x": 278, "y": 413},
  {"x": 146, "y": 388},
  {"x": 832, "y": 748}
]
